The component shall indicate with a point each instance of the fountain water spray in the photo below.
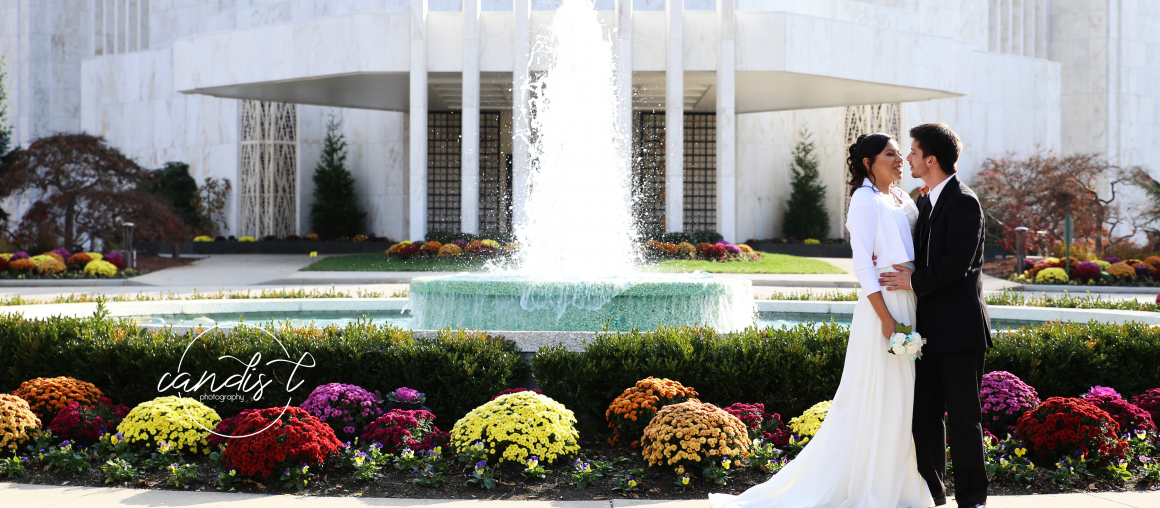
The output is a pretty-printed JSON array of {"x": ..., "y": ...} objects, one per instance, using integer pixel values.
[
  {"x": 576, "y": 258},
  {"x": 579, "y": 216}
]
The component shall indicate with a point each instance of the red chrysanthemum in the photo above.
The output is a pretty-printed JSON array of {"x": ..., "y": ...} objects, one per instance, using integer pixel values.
[
  {"x": 293, "y": 437},
  {"x": 401, "y": 428},
  {"x": 1062, "y": 426},
  {"x": 85, "y": 424}
]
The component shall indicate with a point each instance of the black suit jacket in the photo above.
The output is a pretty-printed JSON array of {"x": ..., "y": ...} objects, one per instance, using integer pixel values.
[{"x": 948, "y": 245}]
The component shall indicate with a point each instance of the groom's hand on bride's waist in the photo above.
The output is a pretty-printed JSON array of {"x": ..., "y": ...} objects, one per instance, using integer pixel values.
[{"x": 894, "y": 281}]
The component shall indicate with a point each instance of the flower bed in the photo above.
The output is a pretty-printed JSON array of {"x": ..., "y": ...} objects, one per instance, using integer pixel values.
[
  {"x": 1093, "y": 272},
  {"x": 503, "y": 444},
  {"x": 654, "y": 250},
  {"x": 60, "y": 264}
]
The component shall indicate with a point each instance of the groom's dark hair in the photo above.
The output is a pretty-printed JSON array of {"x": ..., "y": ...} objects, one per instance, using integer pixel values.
[{"x": 939, "y": 140}]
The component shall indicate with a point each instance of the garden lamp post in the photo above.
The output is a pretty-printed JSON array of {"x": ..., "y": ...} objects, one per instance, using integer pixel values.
[
  {"x": 1020, "y": 248},
  {"x": 1067, "y": 244},
  {"x": 130, "y": 259}
]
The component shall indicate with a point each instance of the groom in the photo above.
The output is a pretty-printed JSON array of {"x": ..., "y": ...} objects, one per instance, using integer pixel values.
[{"x": 952, "y": 316}]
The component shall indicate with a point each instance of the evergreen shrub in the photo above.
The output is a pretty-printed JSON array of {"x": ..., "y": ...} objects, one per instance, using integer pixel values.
[{"x": 458, "y": 370}]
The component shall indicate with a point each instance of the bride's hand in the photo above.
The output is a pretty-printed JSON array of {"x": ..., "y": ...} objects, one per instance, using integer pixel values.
[{"x": 889, "y": 326}]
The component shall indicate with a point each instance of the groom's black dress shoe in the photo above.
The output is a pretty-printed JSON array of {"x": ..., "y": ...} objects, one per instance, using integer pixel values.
[
  {"x": 973, "y": 505},
  {"x": 940, "y": 501}
]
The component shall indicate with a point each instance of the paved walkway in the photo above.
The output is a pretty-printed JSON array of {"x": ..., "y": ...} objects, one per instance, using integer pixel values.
[{"x": 38, "y": 496}]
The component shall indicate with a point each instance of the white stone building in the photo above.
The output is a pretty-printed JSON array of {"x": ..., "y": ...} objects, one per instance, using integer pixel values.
[{"x": 242, "y": 89}]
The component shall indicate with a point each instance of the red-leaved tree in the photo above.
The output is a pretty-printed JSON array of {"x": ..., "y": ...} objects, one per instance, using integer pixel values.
[
  {"x": 82, "y": 189},
  {"x": 1039, "y": 191}
]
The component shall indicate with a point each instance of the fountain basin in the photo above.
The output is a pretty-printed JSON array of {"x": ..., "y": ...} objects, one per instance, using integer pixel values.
[{"x": 644, "y": 301}]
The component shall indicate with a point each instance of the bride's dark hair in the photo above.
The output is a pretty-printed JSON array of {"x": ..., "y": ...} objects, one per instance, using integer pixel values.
[{"x": 868, "y": 146}]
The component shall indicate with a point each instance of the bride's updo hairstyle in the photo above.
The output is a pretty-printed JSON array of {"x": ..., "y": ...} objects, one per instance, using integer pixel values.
[{"x": 868, "y": 146}]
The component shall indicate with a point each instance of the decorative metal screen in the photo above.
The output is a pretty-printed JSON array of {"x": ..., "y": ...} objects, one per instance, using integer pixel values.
[
  {"x": 444, "y": 136},
  {"x": 648, "y": 171},
  {"x": 700, "y": 171},
  {"x": 268, "y": 170},
  {"x": 495, "y": 178},
  {"x": 869, "y": 119}
]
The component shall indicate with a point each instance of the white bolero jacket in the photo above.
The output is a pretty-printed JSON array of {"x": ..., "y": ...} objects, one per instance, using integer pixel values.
[{"x": 883, "y": 225}]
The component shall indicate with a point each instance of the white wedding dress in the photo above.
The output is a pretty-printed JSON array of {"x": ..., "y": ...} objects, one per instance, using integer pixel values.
[{"x": 863, "y": 455}]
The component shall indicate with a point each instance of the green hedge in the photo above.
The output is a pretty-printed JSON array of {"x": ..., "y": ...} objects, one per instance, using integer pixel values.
[
  {"x": 790, "y": 369},
  {"x": 458, "y": 370},
  {"x": 1066, "y": 359},
  {"x": 787, "y": 369}
]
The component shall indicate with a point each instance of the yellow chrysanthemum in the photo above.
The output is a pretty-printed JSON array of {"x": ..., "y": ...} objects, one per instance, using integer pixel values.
[
  {"x": 182, "y": 422},
  {"x": 810, "y": 421},
  {"x": 518, "y": 425}
]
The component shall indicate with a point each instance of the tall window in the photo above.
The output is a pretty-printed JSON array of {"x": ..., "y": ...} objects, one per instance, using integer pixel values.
[
  {"x": 268, "y": 169},
  {"x": 495, "y": 177},
  {"x": 444, "y": 137},
  {"x": 700, "y": 171},
  {"x": 119, "y": 26},
  {"x": 648, "y": 171}
]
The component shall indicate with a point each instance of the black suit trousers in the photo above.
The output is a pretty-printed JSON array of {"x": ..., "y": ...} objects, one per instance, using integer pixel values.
[{"x": 949, "y": 383}]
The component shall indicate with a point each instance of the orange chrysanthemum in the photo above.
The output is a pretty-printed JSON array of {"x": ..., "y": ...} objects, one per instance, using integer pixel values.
[
  {"x": 17, "y": 422},
  {"x": 47, "y": 396},
  {"x": 693, "y": 435},
  {"x": 630, "y": 412}
]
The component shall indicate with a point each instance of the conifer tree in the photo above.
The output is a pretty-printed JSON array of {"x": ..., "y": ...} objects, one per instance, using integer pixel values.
[
  {"x": 5, "y": 132},
  {"x": 335, "y": 212},
  {"x": 5, "y": 128},
  {"x": 806, "y": 215}
]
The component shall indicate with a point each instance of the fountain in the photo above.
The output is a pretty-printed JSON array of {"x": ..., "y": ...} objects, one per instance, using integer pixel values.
[{"x": 577, "y": 260}]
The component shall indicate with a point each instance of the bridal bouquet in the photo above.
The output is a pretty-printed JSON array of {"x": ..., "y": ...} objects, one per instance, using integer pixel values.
[{"x": 906, "y": 342}]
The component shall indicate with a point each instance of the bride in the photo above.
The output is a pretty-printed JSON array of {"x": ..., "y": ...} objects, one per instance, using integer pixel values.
[{"x": 863, "y": 455}]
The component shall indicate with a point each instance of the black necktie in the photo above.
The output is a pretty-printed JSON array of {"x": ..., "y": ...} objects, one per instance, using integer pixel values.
[{"x": 923, "y": 227}]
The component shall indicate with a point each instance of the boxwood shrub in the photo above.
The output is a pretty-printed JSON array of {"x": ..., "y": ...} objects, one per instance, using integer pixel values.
[
  {"x": 457, "y": 371},
  {"x": 791, "y": 368},
  {"x": 788, "y": 369}
]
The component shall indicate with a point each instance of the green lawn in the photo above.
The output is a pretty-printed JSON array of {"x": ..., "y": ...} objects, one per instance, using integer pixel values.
[
  {"x": 770, "y": 263},
  {"x": 376, "y": 262}
]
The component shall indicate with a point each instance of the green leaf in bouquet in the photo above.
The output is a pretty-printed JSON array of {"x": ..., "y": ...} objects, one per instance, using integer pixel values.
[{"x": 903, "y": 329}]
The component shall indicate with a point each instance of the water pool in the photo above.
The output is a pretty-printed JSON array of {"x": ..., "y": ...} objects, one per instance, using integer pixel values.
[{"x": 403, "y": 319}]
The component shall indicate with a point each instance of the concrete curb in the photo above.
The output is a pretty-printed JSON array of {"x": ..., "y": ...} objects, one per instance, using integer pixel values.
[
  {"x": 1079, "y": 290},
  {"x": 43, "y": 496},
  {"x": 40, "y": 283}
]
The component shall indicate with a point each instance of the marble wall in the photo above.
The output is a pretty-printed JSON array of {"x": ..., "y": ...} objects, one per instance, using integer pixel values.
[
  {"x": 1095, "y": 92},
  {"x": 375, "y": 156}
]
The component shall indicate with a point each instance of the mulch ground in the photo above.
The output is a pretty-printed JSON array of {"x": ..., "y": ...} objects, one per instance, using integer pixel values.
[
  {"x": 657, "y": 484},
  {"x": 151, "y": 262}
]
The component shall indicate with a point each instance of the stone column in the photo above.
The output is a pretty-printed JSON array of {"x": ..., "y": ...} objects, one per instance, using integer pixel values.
[
  {"x": 521, "y": 121},
  {"x": 469, "y": 158},
  {"x": 726, "y": 123},
  {"x": 675, "y": 116},
  {"x": 418, "y": 120},
  {"x": 624, "y": 76}
]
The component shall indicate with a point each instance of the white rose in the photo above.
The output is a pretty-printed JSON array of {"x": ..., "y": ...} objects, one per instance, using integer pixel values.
[
  {"x": 913, "y": 348},
  {"x": 898, "y": 349},
  {"x": 897, "y": 338},
  {"x": 918, "y": 338}
]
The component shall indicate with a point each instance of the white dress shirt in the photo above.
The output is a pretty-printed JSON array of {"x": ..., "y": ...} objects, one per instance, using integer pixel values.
[
  {"x": 883, "y": 225},
  {"x": 934, "y": 193}
]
